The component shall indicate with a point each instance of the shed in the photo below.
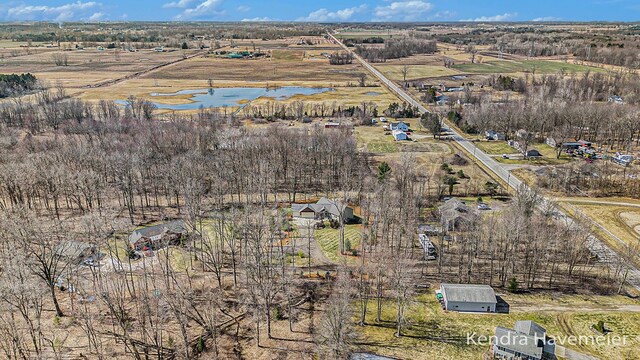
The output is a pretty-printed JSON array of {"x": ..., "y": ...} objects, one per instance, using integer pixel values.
[
  {"x": 399, "y": 135},
  {"x": 331, "y": 125},
  {"x": 468, "y": 297},
  {"x": 533, "y": 153}
]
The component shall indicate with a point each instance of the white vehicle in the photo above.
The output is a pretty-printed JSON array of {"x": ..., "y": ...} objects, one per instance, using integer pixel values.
[
  {"x": 622, "y": 159},
  {"x": 382, "y": 119},
  {"x": 483, "y": 206}
]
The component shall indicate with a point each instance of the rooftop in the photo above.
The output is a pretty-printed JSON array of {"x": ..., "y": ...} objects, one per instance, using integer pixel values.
[
  {"x": 468, "y": 293},
  {"x": 177, "y": 226},
  {"x": 522, "y": 343}
]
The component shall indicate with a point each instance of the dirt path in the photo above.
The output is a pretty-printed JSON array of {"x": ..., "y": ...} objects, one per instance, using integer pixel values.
[
  {"x": 572, "y": 308},
  {"x": 596, "y": 202}
]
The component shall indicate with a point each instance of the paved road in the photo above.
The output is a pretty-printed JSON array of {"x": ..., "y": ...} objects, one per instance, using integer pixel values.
[{"x": 597, "y": 247}]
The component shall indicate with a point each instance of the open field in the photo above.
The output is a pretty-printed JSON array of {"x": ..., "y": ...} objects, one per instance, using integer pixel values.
[
  {"x": 548, "y": 154},
  {"x": 363, "y": 34},
  {"x": 394, "y": 72},
  {"x": 433, "y": 333},
  {"x": 89, "y": 66},
  {"x": 537, "y": 66},
  {"x": 621, "y": 221},
  {"x": 495, "y": 147}
]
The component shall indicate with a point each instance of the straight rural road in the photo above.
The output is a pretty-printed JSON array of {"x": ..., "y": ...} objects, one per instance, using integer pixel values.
[{"x": 595, "y": 245}]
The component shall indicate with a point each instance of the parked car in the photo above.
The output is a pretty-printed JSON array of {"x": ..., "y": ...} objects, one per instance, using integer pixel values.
[{"x": 483, "y": 206}]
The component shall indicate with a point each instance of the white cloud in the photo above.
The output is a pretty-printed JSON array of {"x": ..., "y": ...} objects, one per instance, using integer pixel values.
[
  {"x": 96, "y": 16},
  {"x": 205, "y": 9},
  {"x": 446, "y": 14},
  {"x": 181, "y": 4},
  {"x": 243, "y": 8},
  {"x": 58, "y": 13},
  {"x": 257, "y": 19},
  {"x": 547, "y": 18},
  {"x": 502, "y": 17},
  {"x": 323, "y": 15},
  {"x": 402, "y": 11}
]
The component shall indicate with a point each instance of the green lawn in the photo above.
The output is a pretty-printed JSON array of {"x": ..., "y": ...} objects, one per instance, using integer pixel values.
[
  {"x": 329, "y": 240},
  {"x": 540, "y": 67},
  {"x": 117, "y": 247},
  {"x": 382, "y": 147},
  {"x": 495, "y": 147},
  {"x": 433, "y": 333}
]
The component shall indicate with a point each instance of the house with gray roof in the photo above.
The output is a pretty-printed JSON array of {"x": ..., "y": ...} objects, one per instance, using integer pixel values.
[
  {"x": 323, "y": 209},
  {"x": 157, "y": 236},
  {"x": 402, "y": 126},
  {"x": 468, "y": 297},
  {"x": 455, "y": 214},
  {"x": 76, "y": 252},
  {"x": 527, "y": 341}
]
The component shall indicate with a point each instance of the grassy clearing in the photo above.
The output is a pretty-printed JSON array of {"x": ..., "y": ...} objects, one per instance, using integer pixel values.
[
  {"x": 539, "y": 66},
  {"x": 436, "y": 334},
  {"x": 495, "y": 147},
  {"x": 382, "y": 147},
  {"x": 117, "y": 247},
  {"x": 329, "y": 240},
  {"x": 394, "y": 72},
  {"x": 287, "y": 55},
  {"x": 548, "y": 156},
  {"x": 619, "y": 220}
]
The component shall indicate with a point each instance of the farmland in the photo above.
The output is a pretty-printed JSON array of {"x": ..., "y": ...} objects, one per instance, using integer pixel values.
[{"x": 208, "y": 145}]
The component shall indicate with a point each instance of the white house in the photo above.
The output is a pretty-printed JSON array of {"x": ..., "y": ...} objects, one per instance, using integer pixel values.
[
  {"x": 399, "y": 135},
  {"x": 468, "y": 297},
  {"x": 527, "y": 340},
  {"x": 402, "y": 126},
  {"x": 494, "y": 135}
]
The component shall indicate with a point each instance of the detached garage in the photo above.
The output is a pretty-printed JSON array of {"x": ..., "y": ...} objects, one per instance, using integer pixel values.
[{"x": 466, "y": 297}]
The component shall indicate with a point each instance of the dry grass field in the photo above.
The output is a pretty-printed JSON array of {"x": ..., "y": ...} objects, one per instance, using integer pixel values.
[
  {"x": 89, "y": 66},
  {"x": 433, "y": 333},
  {"x": 621, "y": 221}
]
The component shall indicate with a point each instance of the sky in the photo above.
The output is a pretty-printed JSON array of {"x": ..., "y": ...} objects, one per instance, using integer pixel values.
[{"x": 320, "y": 11}]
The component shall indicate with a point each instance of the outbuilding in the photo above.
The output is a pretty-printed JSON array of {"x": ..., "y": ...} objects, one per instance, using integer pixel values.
[
  {"x": 468, "y": 297},
  {"x": 399, "y": 135}
]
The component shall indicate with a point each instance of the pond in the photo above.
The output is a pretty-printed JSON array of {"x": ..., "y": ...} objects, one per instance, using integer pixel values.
[{"x": 235, "y": 96}]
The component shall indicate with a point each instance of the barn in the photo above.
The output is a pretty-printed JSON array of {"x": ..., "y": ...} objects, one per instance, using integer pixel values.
[{"x": 468, "y": 297}]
